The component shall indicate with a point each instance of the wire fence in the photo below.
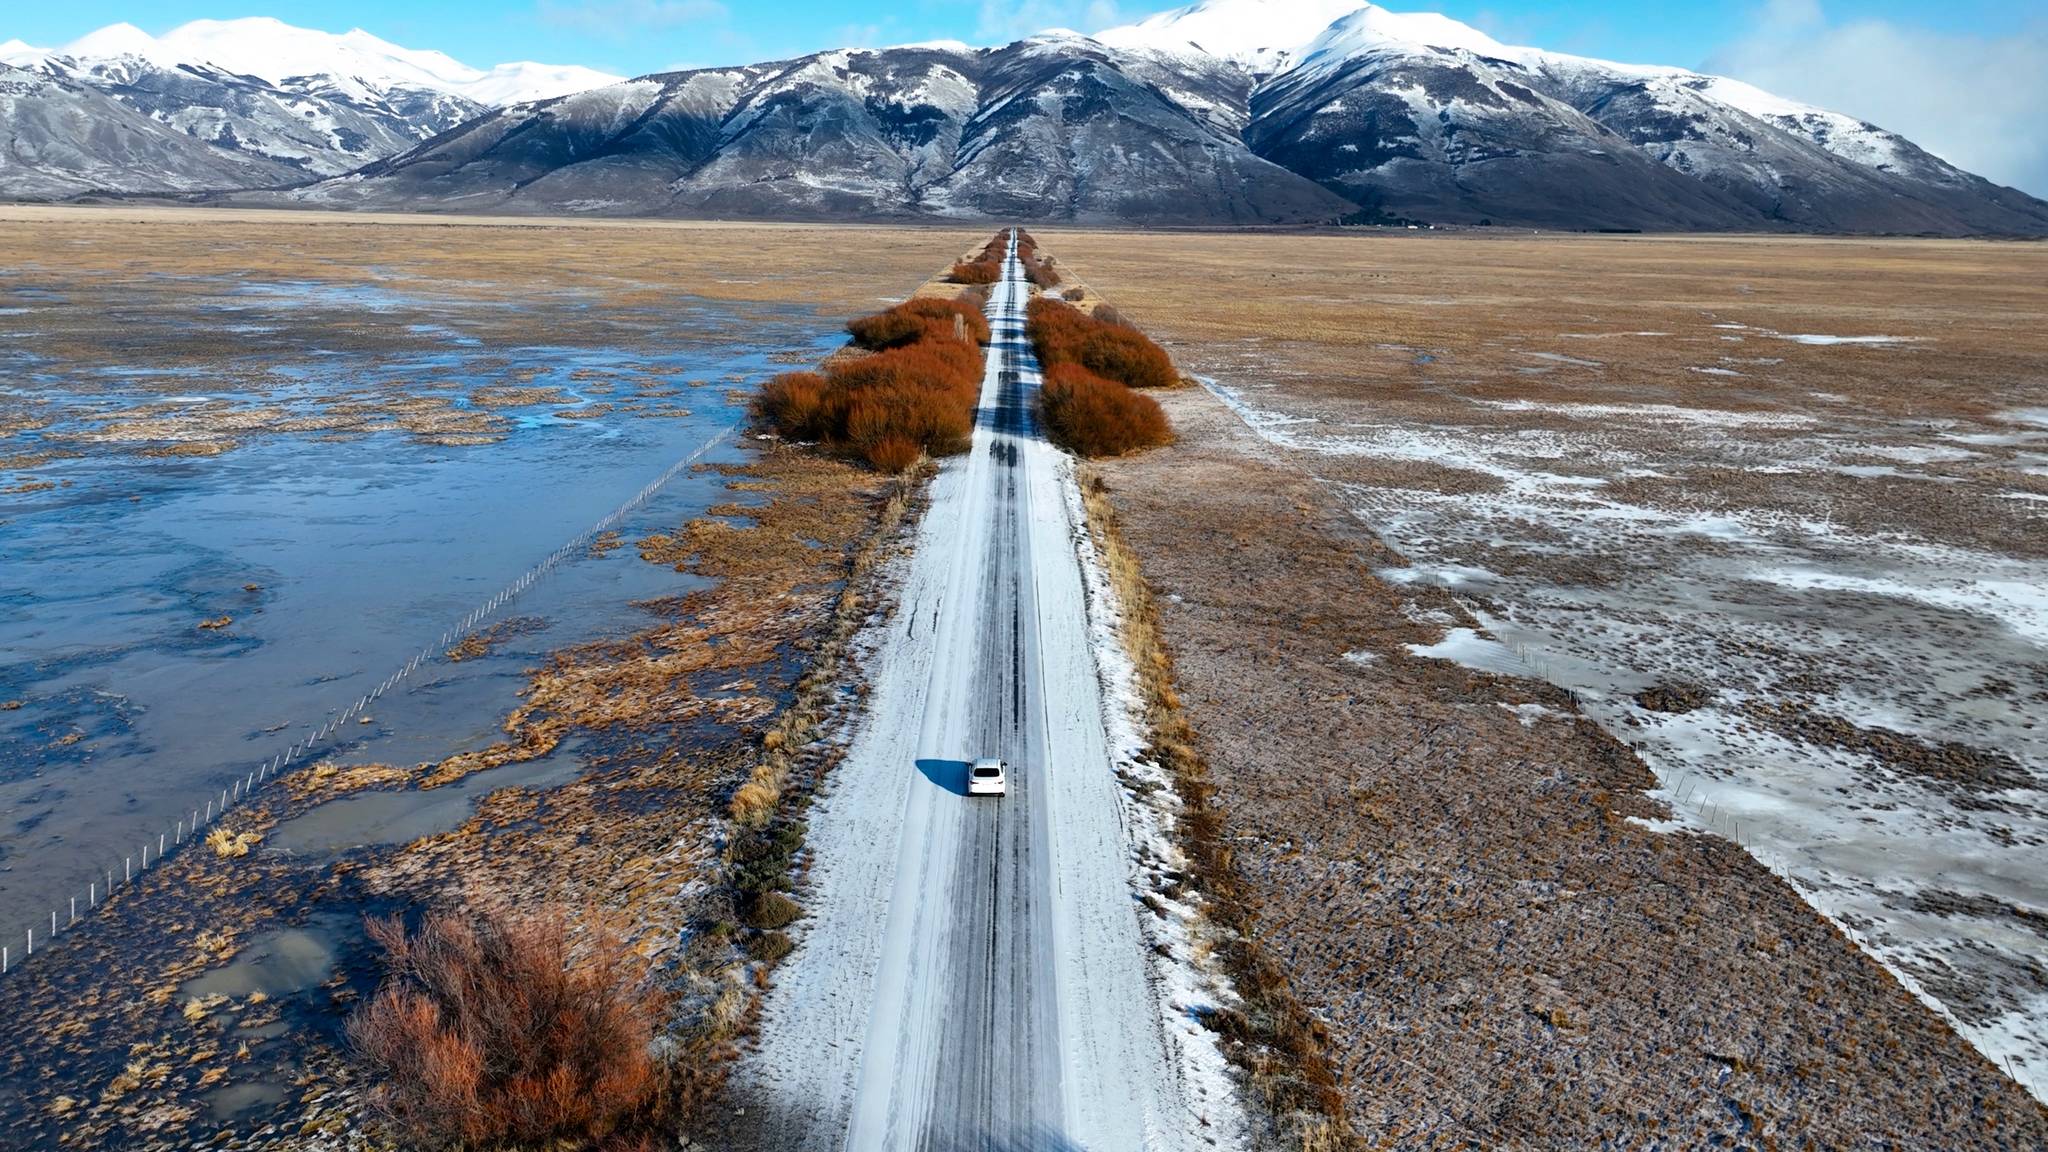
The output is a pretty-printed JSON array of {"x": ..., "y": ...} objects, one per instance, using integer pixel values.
[{"x": 186, "y": 829}]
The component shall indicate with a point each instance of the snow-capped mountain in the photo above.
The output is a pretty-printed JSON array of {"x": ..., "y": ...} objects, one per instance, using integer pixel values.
[
  {"x": 257, "y": 98},
  {"x": 353, "y": 64},
  {"x": 1415, "y": 115},
  {"x": 59, "y": 138},
  {"x": 1225, "y": 111},
  {"x": 1053, "y": 125}
]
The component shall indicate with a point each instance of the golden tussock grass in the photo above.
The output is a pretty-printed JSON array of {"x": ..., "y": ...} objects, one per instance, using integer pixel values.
[{"x": 232, "y": 845}]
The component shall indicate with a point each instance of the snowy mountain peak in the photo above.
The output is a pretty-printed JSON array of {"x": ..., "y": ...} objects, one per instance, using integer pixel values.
[
  {"x": 1259, "y": 35},
  {"x": 116, "y": 40},
  {"x": 356, "y": 63},
  {"x": 1371, "y": 27}
]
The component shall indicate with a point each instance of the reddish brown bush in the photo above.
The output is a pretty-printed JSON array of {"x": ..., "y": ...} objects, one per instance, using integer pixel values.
[
  {"x": 915, "y": 394},
  {"x": 982, "y": 271},
  {"x": 1096, "y": 417},
  {"x": 915, "y": 320},
  {"x": 894, "y": 452},
  {"x": 795, "y": 403},
  {"x": 1063, "y": 334},
  {"x": 1041, "y": 274},
  {"x": 506, "y": 1030}
]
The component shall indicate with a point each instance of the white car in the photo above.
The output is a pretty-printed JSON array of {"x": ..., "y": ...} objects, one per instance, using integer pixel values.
[{"x": 988, "y": 777}]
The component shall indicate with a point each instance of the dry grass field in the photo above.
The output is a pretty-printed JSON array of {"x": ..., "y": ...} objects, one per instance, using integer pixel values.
[
  {"x": 1517, "y": 585},
  {"x": 836, "y": 269}
]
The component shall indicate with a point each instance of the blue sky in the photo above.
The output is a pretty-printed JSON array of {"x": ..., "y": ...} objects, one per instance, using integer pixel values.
[
  {"x": 1965, "y": 78},
  {"x": 636, "y": 36}
]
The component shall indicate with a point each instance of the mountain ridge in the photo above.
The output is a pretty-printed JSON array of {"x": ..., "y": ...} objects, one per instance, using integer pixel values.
[{"x": 1224, "y": 112}]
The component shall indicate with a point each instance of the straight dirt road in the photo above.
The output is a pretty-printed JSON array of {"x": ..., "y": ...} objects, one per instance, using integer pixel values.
[{"x": 972, "y": 972}]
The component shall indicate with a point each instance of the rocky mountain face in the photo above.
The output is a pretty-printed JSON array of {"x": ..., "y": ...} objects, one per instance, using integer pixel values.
[
  {"x": 1224, "y": 112},
  {"x": 59, "y": 138},
  {"x": 236, "y": 104},
  {"x": 1418, "y": 116},
  {"x": 1054, "y": 126}
]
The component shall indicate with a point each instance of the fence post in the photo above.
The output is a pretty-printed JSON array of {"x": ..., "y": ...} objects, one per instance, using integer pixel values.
[{"x": 127, "y": 869}]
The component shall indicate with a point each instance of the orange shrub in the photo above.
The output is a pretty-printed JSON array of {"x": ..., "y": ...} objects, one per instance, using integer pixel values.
[
  {"x": 915, "y": 393},
  {"x": 894, "y": 453},
  {"x": 914, "y": 320},
  {"x": 1063, "y": 334},
  {"x": 502, "y": 1030},
  {"x": 1096, "y": 417},
  {"x": 795, "y": 403},
  {"x": 982, "y": 271}
]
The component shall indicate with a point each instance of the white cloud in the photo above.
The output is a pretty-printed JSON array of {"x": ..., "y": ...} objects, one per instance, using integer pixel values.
[
  {"x": 621, "y": 17},
  {"x": 1003, "y": 22},
  {"x": 1975, "y": 101}
]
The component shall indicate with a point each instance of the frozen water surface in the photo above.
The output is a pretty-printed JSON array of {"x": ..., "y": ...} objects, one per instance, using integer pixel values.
[{"x": 328, "y": 559}]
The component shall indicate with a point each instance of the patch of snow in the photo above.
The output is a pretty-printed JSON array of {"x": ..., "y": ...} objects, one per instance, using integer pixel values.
[
  {"x": 1437, "y": 575},
  {"x": 1561, "y": 358},
  {"x": 1529, "y": 714},
  {"x": 1466, "y": 647},
  {"x": 1880, "y": 341}
]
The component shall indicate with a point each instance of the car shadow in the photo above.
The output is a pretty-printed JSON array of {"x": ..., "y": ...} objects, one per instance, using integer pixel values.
[{"x": 950, "y": 775}]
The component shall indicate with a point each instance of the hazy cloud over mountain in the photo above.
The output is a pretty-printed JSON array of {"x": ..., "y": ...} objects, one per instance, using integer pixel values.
[{"x": 1975, "y": 101}]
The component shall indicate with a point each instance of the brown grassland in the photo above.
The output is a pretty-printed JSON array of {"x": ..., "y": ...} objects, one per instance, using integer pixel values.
[{"x": 1499, "y": 954}]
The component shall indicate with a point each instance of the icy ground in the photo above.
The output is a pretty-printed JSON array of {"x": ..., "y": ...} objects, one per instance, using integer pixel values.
[{"x": 1870, "y": 707}]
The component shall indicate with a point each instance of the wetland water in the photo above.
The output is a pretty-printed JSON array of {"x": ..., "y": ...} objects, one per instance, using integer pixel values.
[{"x": 325, "y": 512}]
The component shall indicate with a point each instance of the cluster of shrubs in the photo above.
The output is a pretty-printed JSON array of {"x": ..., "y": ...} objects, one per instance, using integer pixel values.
[
  {"x": 502, "y": 1031},
  {"x": 913, "y": 394},
  {"x": 986, "y": 268},
  {"x": 1103, "y": 343},
  {"x": 1095, "y": 417},
  {"x": 1037, "y": 268},
  {"x": 1091, "y": 367}
]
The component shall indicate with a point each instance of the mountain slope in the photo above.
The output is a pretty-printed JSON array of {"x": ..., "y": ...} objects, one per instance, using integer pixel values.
[
  {"x": 1416, "y": 115},
  {"x": 268, "y": 102},
  {"x": 1051, "y": 127},
  {"x": 59, "y": 139}
]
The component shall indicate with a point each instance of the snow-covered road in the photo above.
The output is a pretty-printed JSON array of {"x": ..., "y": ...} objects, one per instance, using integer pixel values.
[{"x": 972, "y": 973}]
